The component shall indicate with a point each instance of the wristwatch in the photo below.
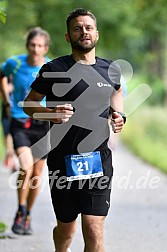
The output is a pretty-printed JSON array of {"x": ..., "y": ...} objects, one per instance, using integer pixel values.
[{"x": 123, "y": 116}]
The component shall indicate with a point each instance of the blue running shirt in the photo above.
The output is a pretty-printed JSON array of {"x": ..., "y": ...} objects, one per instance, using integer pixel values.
[{"x": 23, "y": 75}]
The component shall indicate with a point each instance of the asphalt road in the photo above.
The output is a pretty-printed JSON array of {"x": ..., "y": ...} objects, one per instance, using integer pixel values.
[{"x": 137, "y": 220}]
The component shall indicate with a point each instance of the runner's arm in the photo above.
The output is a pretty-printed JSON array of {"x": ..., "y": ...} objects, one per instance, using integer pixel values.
[
  {"x": 116, "y": 103},
  {"x": 32, "y": 107},
  {"x": 4, "y": 87}
]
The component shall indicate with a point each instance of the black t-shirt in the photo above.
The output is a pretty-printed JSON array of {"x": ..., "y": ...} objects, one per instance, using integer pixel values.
[{"x": 88, "y": 88}]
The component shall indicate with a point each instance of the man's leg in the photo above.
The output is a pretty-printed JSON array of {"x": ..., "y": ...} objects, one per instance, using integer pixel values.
[
  {"x": 34, "y": 187},
  {"x": 26, "y": 163},
  {"x": 35, "y": 183},
  {"x": 25, "y": 176},
  {"x": 92, "y": 228},
  {"x": 10, "y": 157},
  {"x": 63, "y": 234}
]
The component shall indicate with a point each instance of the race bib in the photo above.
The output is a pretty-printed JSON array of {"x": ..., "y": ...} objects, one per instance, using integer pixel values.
[{"x": 83, "y": 166}]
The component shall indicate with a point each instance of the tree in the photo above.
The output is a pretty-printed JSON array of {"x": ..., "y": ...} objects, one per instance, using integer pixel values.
[
  {"x": 152, "y": 19},
  {"x": 131, "y": 30}
]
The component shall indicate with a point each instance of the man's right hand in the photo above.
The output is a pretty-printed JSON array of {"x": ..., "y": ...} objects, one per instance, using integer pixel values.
[{"x": 62, "y": 113}]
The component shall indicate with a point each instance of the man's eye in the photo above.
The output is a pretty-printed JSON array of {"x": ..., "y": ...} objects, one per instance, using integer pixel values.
[
  {"x": 77, "y": 29},
  {"x": 89, "y": 28}
]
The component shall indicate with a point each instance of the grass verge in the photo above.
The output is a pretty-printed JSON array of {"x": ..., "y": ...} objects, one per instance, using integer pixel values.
[{"x": 145, "y": 134}]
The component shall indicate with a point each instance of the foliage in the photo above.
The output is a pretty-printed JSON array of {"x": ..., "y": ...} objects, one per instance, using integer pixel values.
[
  {"x": 152, "y": 15},
  {"x": 158, "y": 92},
  {"x": 3, "y": 228},
  {"x": 131, "y": 30},
  {"x": 145, "y": 134},
  {"x": 1, "y": 145},
  {"x": 155, "y": 83},
  {"x": 2, "y": 149},
  {"x": 121, "y": 35},
  {"x": 3, "y": 6}
]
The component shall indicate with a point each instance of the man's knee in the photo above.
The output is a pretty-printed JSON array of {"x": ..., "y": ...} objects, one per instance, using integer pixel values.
[
  {"x": 64, "y": 230},
  {"x": 93, "y": 229},
  {"x": 94, "y": 232}
]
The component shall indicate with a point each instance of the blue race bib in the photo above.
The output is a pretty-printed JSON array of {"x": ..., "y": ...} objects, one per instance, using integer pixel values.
[{"x": 83, "y": 166}]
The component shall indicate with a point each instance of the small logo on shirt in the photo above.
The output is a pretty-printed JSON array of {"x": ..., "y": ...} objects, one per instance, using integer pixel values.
[
  {"x": 107, "y": 203},
  {"x": 35, "y": 74},
  {"x": 100, "y": 84}
]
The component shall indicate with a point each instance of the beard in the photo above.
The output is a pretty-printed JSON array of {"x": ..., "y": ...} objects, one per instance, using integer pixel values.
[{"x": 85, "y": 48}]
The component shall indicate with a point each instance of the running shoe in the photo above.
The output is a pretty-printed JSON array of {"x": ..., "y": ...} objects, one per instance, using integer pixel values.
[
  {"x": 27, "y": 225},
  {"x": 18, "y": 225}
]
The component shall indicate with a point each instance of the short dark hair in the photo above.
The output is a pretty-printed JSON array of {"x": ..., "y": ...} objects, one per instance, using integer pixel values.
[
  {"x": 33, "y": 32},
  {"x": 76, "y": 13}
]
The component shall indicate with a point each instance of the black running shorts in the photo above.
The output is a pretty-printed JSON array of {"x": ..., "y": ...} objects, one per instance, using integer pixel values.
[
  {"x": 30, "y": 135},
  {"x": 89, "y": 197}
]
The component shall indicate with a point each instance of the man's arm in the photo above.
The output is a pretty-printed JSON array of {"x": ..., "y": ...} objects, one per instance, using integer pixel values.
[
  {"x": 117, "y": 120},
  {"x": 4, "y": 88},
  {"x": 32, "y": 107},
  {"x": 5, "y": 91},
  {"x": 117, "y": 100}
]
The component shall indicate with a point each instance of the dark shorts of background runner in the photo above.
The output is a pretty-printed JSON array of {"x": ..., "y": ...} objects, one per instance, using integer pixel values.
[
  {"x": 89, "y": 197},
  {"x": 29, "y": 136},
  {"x": 6, "y": 126},
  {"x": 5, "y": 121}
]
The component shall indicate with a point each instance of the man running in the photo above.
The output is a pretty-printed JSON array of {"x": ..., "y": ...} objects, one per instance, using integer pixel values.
[{"x": 81, "y": 90}]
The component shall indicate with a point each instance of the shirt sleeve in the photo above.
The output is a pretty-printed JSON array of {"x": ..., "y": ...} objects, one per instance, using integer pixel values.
[
  {"x": 42, "y": 84},
  {"x": 8, "y": 67},
  {"x": 115, "y": 75}
]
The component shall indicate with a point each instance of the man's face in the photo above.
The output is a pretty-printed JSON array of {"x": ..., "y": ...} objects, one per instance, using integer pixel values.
[
  {"x": 83, "y": 34},
  {"x": 37, "y": 47}
]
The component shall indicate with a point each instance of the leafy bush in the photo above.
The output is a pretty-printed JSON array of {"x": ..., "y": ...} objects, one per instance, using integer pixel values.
[
  {"x": 145, "y": 134},
  {"x": 156, "y": 84},
  {"x": 1, "y": 138},
  {"x": 158, "y": 91}
]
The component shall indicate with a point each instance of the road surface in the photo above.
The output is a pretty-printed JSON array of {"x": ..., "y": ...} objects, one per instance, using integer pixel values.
[{"x": 137, "y": 220}]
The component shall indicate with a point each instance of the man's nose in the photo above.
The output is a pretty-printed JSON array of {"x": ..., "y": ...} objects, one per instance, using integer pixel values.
[
  {"x": 84, "y": 30},
  {"x": 35, "y": 47}
]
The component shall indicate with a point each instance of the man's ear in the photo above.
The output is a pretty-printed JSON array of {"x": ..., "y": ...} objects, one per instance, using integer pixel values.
[
  {"x": 97, "y": 36},
  {"x": 67, "y": 37},
  {"x": 46, "y": 49}
]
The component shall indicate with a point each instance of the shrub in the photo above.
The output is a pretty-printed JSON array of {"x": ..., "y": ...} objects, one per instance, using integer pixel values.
[{"x": 145, "y": 134}]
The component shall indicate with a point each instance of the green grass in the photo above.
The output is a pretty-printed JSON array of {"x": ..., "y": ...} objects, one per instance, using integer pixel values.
[
  {"x": 146, "y": 135},
  {"x": 3, "y": 228},
  {"x": 1, "y": 144},
  {"x": 1, "y": 138}
]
